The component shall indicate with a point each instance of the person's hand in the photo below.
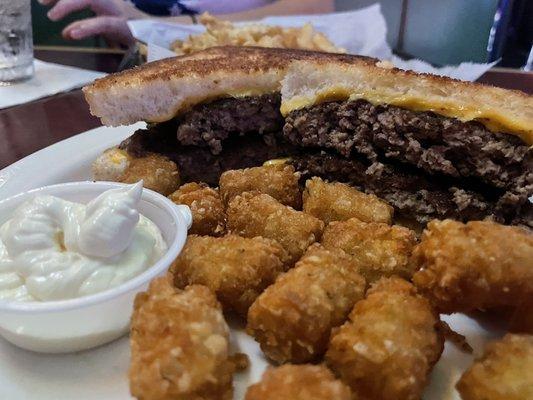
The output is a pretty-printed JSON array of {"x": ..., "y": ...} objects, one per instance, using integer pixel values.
[{"x": 110, "y": 21}]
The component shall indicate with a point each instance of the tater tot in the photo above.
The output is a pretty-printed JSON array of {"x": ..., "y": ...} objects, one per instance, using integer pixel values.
[
  {"x": 479, "y": 264},
  {"x": 279, "y": 181},
  {"x": 504, "y": 372},
  {"x": 253, "y": 214},
  {"x": 293, "y": 318},
  {"x": 339, "y": 202},
  {"x": 157, "y": 171},
  {"x": 389, "y": 345},
  {"x": 179, "y": 345},
  {"x": 380, "y": 249},
  {"x": 236, "y": 269},
  {"x": 208, "y": 214},
  {"x": 298, "y": 382},
  {"x": 110, "y": 165}
]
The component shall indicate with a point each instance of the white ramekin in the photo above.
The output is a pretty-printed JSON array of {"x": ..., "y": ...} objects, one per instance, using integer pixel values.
[{"x": 85, "y": 322}]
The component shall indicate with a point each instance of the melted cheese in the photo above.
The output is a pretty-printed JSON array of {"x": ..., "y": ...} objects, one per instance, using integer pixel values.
[
  {"x": 118, "y": 156},
  {"x": 247, "y": 93},
  {"x": 493, "y": 119},
  {"x": 277, "y": 161}
]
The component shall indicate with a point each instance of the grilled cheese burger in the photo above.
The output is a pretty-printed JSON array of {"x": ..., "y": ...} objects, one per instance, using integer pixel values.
[{"x": 432, "y": 147}]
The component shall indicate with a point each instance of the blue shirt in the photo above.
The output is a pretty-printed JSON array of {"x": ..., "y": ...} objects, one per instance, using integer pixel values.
[
  {"x": 163, "y": 7},
  {"x": 192, "y": 7}
]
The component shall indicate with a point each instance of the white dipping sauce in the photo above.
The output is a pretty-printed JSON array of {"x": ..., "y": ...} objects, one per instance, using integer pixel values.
[{"x": 53, "y": 249}]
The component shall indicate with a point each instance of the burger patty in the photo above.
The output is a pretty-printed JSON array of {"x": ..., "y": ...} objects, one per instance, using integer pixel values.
[
  {"x": 209, "y": 124},
  {"x": 458, "y": 155},
  {"x": 427, "y": 166},
  {"x": 199, "y": 164},
  {"x": 412, "y": 193},
  {"x": 431, "y": 142}
]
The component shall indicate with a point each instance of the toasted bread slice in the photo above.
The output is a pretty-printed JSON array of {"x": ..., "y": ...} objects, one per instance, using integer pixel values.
[
  {"x": 310, "y": 82},
  {"x": 157, "y": 91}
]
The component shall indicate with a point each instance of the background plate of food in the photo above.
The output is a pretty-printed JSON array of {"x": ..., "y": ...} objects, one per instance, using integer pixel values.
[{"x": 362, "y": 32}]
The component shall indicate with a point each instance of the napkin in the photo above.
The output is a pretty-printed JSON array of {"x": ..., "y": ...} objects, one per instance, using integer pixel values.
[
  {"x": 362, "y": 32},
  {"x": 48, "y": 79}
]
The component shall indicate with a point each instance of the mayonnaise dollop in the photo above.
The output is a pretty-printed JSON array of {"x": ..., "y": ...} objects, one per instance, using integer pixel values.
[{"x": 53, "y": 249}]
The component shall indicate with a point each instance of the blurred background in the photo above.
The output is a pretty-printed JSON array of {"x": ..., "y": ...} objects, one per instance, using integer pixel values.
[{"x": 438, "y": 31}]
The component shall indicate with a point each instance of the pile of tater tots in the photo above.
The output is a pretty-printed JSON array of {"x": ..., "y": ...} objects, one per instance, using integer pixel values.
[{"x": 343, "y": 300}]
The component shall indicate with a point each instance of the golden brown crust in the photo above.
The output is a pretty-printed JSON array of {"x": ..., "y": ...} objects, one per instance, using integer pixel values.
[
  {"x": 208, "y": 214},
  {"x": 293, "y": 318},
  {"x": 479, "y": 264},
  {"x": 249, "y": 59},
  {"x": 298, "y": 382},
  {"x": 179, "y": 345},
  {"x": 380, "y": 249},
  {"x": 157, "y": 171},
  {"x": 279, "y": 181},
  {"x": 256, "y": 214},
  {"x": 236, "y": 269},
  {"x": 504, "y": 372},
  {"x": 389, "y": 345},
  {"x": 338, "y": 202},
  {"x": 227, "y": 59}
]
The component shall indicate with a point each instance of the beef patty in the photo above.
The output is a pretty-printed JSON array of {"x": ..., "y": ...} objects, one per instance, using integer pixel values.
[
  {"x": 210, "y": 124},
  {"x": 491, "y": 174},
  {"x": 437, "y": 145},
  {"x": 425, "y": 165},
  {"x": 413, "y": 194},
  {"x": 198, "y": 163}
]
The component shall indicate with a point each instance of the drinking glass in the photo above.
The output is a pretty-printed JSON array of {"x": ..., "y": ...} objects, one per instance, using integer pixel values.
[{"x": 16, "y": 42}]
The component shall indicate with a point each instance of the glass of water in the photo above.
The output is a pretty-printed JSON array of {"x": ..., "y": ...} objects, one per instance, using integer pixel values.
[{"x": 16, "y": 42}]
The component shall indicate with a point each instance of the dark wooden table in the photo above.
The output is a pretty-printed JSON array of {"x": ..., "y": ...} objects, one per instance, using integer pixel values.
[{"x": 29, "y": 127}]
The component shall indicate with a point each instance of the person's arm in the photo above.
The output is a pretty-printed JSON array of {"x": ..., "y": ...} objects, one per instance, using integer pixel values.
[
  {"x": 112, "y": 15},
  {"x": 110, "y": 20}
]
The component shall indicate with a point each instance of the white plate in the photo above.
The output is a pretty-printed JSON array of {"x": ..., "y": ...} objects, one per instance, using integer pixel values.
[{"x": 102, "y": 373}]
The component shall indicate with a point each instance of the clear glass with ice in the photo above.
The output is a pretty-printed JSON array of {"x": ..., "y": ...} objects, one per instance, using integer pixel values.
[{"x": 16, "y": 42}]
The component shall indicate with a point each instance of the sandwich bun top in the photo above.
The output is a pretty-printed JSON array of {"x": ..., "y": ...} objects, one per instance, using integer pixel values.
[{"x": 158, "y": 91}]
